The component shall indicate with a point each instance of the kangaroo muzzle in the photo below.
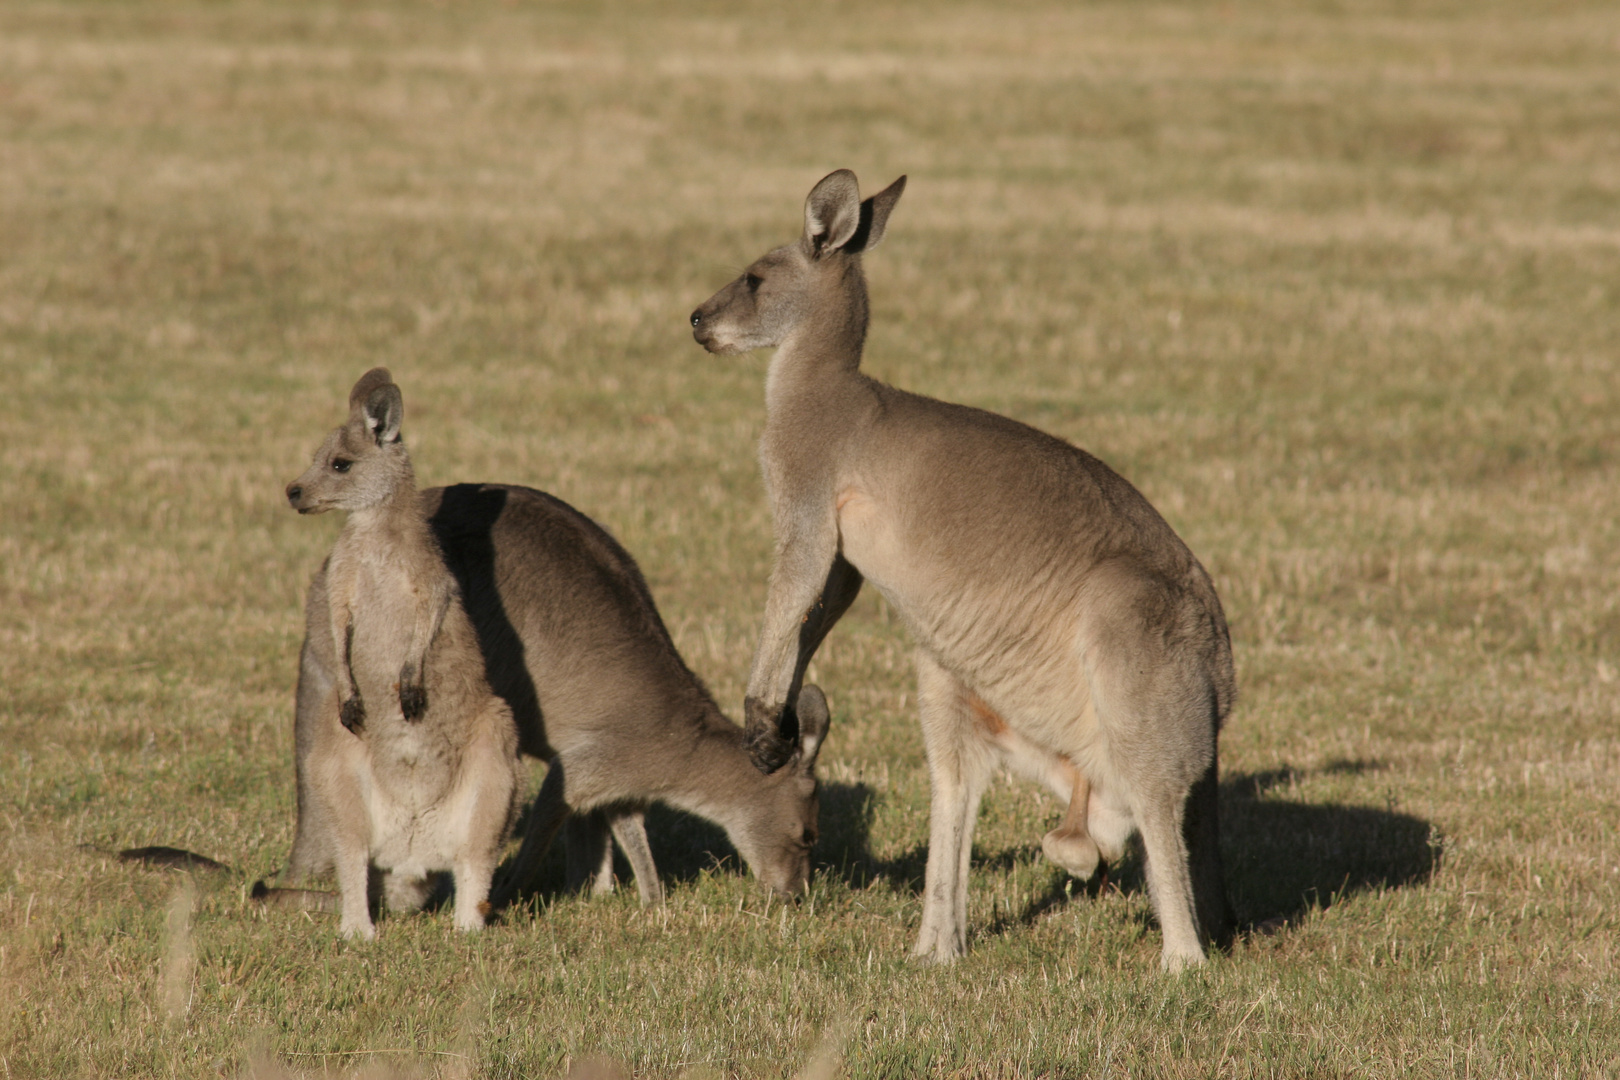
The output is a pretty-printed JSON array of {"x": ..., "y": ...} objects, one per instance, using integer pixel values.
[{"x": 703, "y": 329}]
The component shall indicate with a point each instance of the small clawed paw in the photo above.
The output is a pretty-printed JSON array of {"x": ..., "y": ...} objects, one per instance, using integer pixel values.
[
  {"x": 413, "y": 701},
  {"x": 353, "y": 714},
  {"x": 768, "y": 750},
  {"x": 766, "y": 746}
]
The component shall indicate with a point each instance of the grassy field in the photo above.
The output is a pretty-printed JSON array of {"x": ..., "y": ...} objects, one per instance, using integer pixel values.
[{"x": 1336, "y": 284}]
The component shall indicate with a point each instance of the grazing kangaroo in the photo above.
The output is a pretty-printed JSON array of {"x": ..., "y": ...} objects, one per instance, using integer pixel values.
[
  {"x": 420, "y": 772},
  {"x": 572, "y": 641},
  {"x": 1062, "y": 627}
]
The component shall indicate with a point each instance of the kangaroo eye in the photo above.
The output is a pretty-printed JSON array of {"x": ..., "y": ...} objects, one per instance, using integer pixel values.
[
  {"x": 341, "y": 464},
  {"x": 753, "y": 281}
]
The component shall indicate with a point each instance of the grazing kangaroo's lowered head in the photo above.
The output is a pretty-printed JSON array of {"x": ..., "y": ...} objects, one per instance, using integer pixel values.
[
  {"x": 1062, "y": 627},
  {"x": 363, "y": 463},
  {"x": 775, "y": 829},
  {"x": 815, "y": 284}
]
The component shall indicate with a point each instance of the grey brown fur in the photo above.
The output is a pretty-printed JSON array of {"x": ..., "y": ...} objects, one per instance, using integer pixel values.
[
  {"x": 1061, "y": 626},
  {"x": 418, "y": 772},
  {"x": 572, "y": 641}
]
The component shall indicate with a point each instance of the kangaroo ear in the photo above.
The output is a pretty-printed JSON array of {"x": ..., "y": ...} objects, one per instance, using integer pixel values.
[
  {"x": 385, "y": 411},
  {"x": 814, "y": 719},
  {"x": 832, "y": 213},
  {"x": 377, "y": 376},
  {"x": 874, "y": 216}
]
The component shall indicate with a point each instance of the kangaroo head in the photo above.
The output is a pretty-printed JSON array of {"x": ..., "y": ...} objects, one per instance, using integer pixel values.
[
  {"x": 363, "y": 463},
  {"x": 789, "y": 286},
  {"x": 779, "y": 829}
]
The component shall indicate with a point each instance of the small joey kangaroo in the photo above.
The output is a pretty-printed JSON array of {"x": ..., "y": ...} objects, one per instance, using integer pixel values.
[
  {"x": 1061, "y": 625},
  {"x": 417, "y": 770},
  {"x": 572, "y": 641}
]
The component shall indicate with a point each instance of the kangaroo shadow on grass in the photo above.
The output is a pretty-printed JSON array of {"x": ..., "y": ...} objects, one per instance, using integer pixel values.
[
  {"x": 1282, "y": 858},
  {"x": 845, "y": 852},
  {"x": 686, "y": 847}
]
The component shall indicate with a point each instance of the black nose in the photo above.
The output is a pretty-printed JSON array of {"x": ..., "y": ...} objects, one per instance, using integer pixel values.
[
  {"x": 294, "y": 493},
  {"x": 697, "y": 319}
]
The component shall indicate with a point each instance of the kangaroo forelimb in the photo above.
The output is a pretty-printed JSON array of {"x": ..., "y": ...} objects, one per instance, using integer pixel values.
[
  {"x": 412, "y": 694},
  {"x": 766, "y": 735},
  {"x": 353, "y": 714},
  {"x": 773, "y": 728},
  {"x": 843, "y": 585},
  {"x": 413, "y": 673}
]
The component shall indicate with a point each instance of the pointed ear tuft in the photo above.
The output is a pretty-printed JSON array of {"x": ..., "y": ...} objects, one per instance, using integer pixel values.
[
  {"x": 874, "y": 216},
  {"x": 385, "y": 412},
  {"x": 832, "y": 213},
  {"x": 377, "y": 376},
  {"x": 814, "y": 719}
]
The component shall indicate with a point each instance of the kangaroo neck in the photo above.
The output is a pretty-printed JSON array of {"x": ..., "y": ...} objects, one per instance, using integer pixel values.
[
  {"x": 397, "y": 518},
  {"x": 823, "y": 350},
  {"x": 711, "y": 775}
]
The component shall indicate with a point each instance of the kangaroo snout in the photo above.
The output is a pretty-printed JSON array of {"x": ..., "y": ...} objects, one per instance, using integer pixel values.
[
  {"x": 703, "y": 329},
  {"x": 302, "y": 499},
  {"x": 793, "y": 892},
  {"x": 788, "y": 878}
]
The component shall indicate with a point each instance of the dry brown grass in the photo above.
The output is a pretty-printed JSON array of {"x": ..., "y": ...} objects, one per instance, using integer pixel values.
[{"x": 1335, "y": 285}]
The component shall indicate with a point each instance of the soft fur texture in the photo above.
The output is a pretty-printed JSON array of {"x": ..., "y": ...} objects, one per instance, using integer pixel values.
[
  {"x": 1061, "y": 625},
  {"x": 417, "y": 770},
  {"x": 572, "y": 642}
]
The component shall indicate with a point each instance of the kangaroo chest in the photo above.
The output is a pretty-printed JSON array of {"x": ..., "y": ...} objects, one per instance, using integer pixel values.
[{"x": 386, "y": 607}]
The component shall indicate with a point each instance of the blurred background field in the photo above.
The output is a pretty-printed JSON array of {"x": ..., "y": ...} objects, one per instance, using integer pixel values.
[{"x": 1335, "y": 284}]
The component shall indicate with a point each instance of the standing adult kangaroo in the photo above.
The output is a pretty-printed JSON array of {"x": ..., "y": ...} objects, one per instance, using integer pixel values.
[
  {"x": 1061, "y": 626},
  {"x": 570, "y": 641}
]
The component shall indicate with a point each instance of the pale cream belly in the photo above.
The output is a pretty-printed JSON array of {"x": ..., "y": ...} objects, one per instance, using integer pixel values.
[{"x": 418, "y": 813}]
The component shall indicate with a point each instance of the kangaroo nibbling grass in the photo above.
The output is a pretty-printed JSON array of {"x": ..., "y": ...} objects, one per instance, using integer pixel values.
[
  {"x": 420, "y": 772},
  {"x": 568, "y": 637},
  {"x": 1062, "y": 627}
]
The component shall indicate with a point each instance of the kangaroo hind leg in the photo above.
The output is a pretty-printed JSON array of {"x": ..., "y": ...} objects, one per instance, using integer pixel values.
[
  {"x": 1169, "y": 771},
  {"x": 630, "y": 830},
  {"x": 960, "y": 761}
]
